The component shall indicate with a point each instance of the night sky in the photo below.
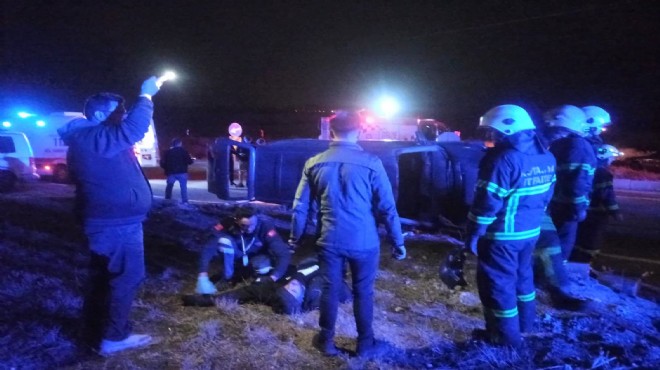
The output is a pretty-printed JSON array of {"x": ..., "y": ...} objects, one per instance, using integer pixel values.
[{"x": 449, "y": 59}]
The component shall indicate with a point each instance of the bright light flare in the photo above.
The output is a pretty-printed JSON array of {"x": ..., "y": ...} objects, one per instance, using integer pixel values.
[
  {"x": 24, "y": 114},
  {"x": 41, "y": 123},
  {"x": 388, "y": 106},
  {"x": 6, "y": 124},
  {"x": 168, "y": 75}
]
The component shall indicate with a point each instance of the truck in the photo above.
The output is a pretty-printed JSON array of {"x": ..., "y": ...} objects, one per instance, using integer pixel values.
[{"x": 50, "y": 151}]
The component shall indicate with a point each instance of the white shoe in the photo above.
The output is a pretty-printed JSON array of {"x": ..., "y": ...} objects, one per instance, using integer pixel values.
[{"x": 109, "y": 347}]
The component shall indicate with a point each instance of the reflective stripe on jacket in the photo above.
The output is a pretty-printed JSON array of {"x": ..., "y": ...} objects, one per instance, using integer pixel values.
[
  {"x": 576, "y": 165},
  {"x": 512, "y": 192}
]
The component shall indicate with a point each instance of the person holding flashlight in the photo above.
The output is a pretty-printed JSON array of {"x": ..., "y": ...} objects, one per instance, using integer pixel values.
[{"x": 112, "y": 198}]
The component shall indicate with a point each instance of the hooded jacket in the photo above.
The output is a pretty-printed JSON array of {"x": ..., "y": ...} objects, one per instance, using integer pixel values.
[
  {"x": 514, "y": 187},
  {"x": 111, "y": 188}
]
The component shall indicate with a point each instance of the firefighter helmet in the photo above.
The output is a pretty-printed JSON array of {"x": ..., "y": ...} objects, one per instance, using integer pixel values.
[
  {"x": 596, "y": 119},
  {"x": 451, "y": 269},
  {"x": 568, "y": 116},
  {"x": 606, "y": 151},
  {"x": 507, "y": 119}
]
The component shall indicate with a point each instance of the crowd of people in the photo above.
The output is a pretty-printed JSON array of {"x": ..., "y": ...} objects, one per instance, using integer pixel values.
[{"x": 541, "y": 191}]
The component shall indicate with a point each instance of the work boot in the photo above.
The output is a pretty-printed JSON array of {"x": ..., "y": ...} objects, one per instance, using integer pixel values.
[
  {"x": 326, "y": 347},
  {"x": 566, "y": 301},
  {"x": 109, "y": 347},
  {"x": 371, "y": 349}
]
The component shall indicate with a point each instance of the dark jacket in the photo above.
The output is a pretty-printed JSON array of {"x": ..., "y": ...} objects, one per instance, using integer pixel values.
[
  {"x": 234, "y": 246},
  {"x": 111, "y": 188},
  {"x": 576, "y": 164},
  {"x": 352, "y": 193},
  {"x": 603, "y": 198},
  {"x": 514, "y": 187},
  {"x": 176, "y": 160}
]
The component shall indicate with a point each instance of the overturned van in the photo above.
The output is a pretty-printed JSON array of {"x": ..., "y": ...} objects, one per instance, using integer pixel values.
[{"x": 427, "y": 179}]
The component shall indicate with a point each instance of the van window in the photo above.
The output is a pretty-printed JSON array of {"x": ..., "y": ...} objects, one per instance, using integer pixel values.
[{"x": 7, "y": 145}]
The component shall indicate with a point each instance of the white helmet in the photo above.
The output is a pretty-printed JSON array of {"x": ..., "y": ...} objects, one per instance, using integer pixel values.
[
  {"x": 597, "y": 118},
  {"x": 507, "y": 119},
  {"x": 567, "y": 116},
  {"x": 606, "y": 151},
  {"x": 235, "y": 129}
]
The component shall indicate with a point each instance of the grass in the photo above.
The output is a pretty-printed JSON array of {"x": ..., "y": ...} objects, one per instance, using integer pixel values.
[{"x": 426, "y": 325}]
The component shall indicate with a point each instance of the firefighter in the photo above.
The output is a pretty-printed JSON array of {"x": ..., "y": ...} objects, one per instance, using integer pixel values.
[
  {"x": 576, "y": 164},
  {"x": 514, "y": 187},
  {"x": 238, "y": 240},
  {"x": 603, "y": 206},
  {"x": 596, "y": 119},
  {"x": 549, "y": 267}
]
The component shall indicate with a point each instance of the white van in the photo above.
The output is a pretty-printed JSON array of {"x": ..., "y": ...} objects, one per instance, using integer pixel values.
[{"x": 16, "y": 160}]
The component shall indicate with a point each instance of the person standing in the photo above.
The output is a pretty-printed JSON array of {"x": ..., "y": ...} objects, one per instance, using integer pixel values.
[
  {"x": 113, "y": 197},
  {"x": 576, "y": 165},
  {"x": 514, "y": 186},
  {"x": 351, "y": 193},
  {"x": 235, "y": 131},
  {"x": 175, "y": 162},
  {"x": 603, "y": 206},
  {"x": 589, "y": 232}
]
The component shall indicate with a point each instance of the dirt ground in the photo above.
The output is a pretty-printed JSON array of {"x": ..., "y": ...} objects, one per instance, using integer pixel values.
[{"x": 427, "y": 326}]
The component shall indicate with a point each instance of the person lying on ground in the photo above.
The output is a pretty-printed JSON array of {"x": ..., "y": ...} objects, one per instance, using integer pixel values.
[{"x": 299, "y": 291}]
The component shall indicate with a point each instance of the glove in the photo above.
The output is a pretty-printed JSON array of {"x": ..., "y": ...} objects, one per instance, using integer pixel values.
[
  {"x": 471, "y": 242},
  {"x": 150, "y": 86},
  {"x": 205, "y": 286},
  {"x": 399, "y": 252}
]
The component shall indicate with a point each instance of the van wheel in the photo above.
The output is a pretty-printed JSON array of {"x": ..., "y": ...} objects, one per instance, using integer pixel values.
[
  {"x": 61, "y": 174},
  {"x": 7, "y": 181}
]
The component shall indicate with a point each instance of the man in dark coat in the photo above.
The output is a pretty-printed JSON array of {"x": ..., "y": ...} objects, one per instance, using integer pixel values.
[{"x": 175, "y": 162}]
